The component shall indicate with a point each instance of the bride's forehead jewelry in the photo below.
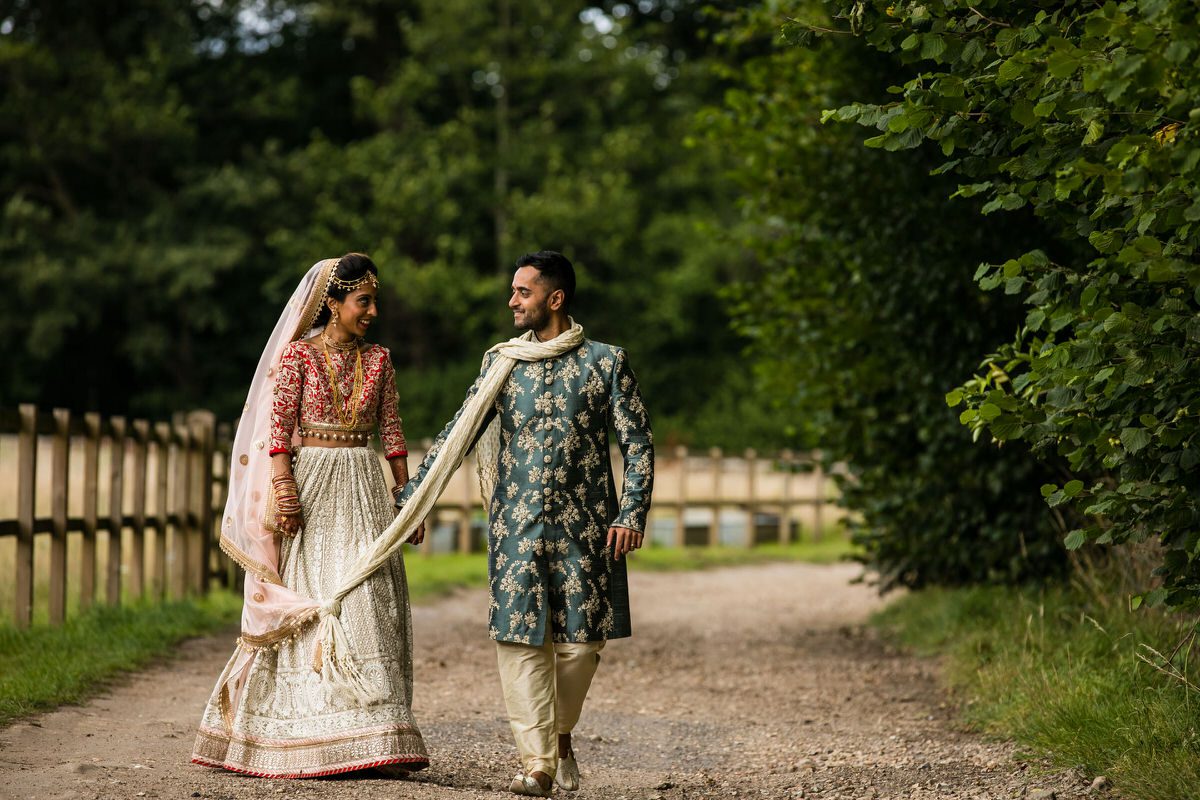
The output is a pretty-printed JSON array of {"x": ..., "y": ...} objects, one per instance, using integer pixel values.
[{"x": 350, "y": 286}]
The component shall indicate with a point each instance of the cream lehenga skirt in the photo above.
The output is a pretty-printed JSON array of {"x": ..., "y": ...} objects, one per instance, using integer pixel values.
[{"x": 285, "y": 725}]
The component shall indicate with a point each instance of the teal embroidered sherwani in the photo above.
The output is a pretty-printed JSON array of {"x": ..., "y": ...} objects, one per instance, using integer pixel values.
[{"x": 549, "y": 565}]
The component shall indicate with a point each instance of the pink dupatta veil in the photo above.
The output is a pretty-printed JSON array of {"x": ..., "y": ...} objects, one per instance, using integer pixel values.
[{"x": 272, "y": 612}]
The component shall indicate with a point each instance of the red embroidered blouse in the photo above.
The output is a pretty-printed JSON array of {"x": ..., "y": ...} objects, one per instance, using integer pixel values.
[{"x": 302, "y": 394}]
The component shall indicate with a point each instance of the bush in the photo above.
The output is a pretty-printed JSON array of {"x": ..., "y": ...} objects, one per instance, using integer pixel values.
[
  {"x": 1086, "y": 114},
  {"x": 863, "y": 314}
]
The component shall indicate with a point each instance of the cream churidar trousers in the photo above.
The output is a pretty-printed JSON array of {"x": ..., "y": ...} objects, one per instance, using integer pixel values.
[{"x": 544, "y": 689}]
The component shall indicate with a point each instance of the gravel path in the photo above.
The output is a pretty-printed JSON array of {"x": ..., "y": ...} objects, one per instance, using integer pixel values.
[{"x": 745, "y": 682}]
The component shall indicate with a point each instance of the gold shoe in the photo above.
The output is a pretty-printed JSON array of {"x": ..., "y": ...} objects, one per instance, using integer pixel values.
[
  {"x": 567, "y": 776},
  {"x": 528, "y": 786}
]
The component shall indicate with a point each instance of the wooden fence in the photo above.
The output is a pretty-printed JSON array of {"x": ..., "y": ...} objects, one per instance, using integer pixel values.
[
  {"x": 139, "y": 495},
  {"x": 704, "y": 497},
  {"x": 139, "y": 503}
]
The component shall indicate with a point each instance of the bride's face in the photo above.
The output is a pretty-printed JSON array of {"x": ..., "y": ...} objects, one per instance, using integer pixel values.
[{"x": 356, "y": 313}]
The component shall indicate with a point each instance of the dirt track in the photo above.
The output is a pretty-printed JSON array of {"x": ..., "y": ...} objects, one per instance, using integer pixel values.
[{"x": 746, "y": 682}]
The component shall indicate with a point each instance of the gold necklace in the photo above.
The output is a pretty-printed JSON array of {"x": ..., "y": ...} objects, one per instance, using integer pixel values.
[
  {"x": 344, "y": 347},
  {"x": 338, "y": 401}
]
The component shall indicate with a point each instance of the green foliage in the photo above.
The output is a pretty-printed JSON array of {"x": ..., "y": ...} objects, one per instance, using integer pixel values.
[
  {"x": 170, "y": 177},
  {"x": 862, "y": 317},
  {"x": 47, "y": 666},
  {"x": 1087, "y": 114},
  {"x": 1074, "y": 679}
]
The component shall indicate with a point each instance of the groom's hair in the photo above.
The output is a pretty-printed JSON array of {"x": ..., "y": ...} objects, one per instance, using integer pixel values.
[{"x": 554, "y": 269}]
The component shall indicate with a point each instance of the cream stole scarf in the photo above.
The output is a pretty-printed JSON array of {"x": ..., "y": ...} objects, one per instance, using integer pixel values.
[{"x": 333, "y": 658}]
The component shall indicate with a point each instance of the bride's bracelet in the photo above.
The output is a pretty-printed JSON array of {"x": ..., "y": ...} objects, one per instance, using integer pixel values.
[{"x": 287, "y": 504}]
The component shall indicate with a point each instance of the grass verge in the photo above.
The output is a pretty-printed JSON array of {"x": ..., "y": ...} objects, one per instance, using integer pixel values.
[
  {"x": 46, "y": 666},
  {"x": 670, "y": 559},
  {"x": 441, "y": 574},
  {"x": 1065, "y": 677}
]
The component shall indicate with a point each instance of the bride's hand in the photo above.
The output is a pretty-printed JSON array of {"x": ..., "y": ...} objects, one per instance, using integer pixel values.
[
  {"x": 288, "y": 524},
  {"x": 419, "y": 536}
]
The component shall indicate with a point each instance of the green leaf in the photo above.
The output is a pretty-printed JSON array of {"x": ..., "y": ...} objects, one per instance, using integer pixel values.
[
  {"x": 954, "y": 398},
  {"x": 1062, "y": 64},
  {"x": 1006, "y": 41},
  {"x": 1095, "y": 129},
  {"x": 1011, "y": 70},
  {"x": 932, "y": 47},
  {"x": 989, "y": 411},
  {"x": 1134, "y": 439},
  {"x": 1156, "y": 597},
  {"x": 1178, "y": 50},
  {"x": 1075, "y": 539},
  {"x": 973, "y": 51},
  {"x": 1105, "y": 241},
  {"x": 1049, "y": 489},
  {"x": 1044, "y": 109},
  {"x": 1073, "y": 488}
]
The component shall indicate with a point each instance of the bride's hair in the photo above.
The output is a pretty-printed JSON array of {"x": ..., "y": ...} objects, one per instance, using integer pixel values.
[{"x": 350, "y": 268}]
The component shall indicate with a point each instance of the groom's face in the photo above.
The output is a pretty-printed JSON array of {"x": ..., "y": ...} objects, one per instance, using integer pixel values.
[{"x": 530, "y": 301}]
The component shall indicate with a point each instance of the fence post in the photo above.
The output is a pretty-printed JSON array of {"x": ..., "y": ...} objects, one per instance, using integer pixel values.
[
  {"x": 26, "y": 488},
  {"x": 751, "y": 457},
  {"x": 681, "y": 455},
  {"x": 221, "y": 459},
  {"x": 137, "y": 561},
  {"x": 203, "y": 426},
  {"x": 116, "y": 498},
  {"x": 181, "y": 541},
  {"x": 464, "y": 512},
  {"x": 785, "y": 503},
  {"x": 716, "y": 459},
  {"x": 162, "y": 478},
  {"x": 58, "y": 514},
  {"x": 819, "y": 506},
  {"x": 91, "y": 498}
]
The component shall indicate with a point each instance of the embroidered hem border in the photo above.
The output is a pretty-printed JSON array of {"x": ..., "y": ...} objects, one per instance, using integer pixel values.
[
  {"x": 312, "y": 758},
  {"x": 261, "y": 571}
]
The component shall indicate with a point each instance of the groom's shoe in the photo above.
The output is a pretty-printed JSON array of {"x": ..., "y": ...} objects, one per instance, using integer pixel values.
[
  {"x": 529, "y": 786},
  {"x": 567, "y": 776}
]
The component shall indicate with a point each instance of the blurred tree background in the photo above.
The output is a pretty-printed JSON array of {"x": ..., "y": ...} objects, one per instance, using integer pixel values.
[{"x": 170, "y": 169}]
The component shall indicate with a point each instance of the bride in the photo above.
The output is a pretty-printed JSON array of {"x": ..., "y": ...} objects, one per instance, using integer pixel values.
[{"x": 307, "y": 496}]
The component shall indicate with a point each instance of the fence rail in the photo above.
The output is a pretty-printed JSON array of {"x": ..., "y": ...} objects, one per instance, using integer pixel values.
[
  {"x": 148, "y": 487},
  {"x": 139, "y": 502}
]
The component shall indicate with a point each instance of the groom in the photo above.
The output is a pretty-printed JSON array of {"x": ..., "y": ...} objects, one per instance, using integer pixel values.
[{"x": 557, "y": 529}]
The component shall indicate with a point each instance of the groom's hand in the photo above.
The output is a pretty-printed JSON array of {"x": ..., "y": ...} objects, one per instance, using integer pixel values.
[
  {"x": 419, "y": 536},
  {"x": 623, "y": 540}
]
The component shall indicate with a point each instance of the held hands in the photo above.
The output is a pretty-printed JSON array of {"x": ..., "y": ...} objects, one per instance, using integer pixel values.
[
  {"x": 623, "y": 540},
  {"x": 419, "y": 535}
]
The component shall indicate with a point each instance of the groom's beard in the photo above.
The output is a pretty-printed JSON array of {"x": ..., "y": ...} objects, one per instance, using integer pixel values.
[{"x": 532, "y": 320}]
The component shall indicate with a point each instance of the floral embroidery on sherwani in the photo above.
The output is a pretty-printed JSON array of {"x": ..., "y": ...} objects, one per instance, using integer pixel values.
[{"x": 551, "y": 571}]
